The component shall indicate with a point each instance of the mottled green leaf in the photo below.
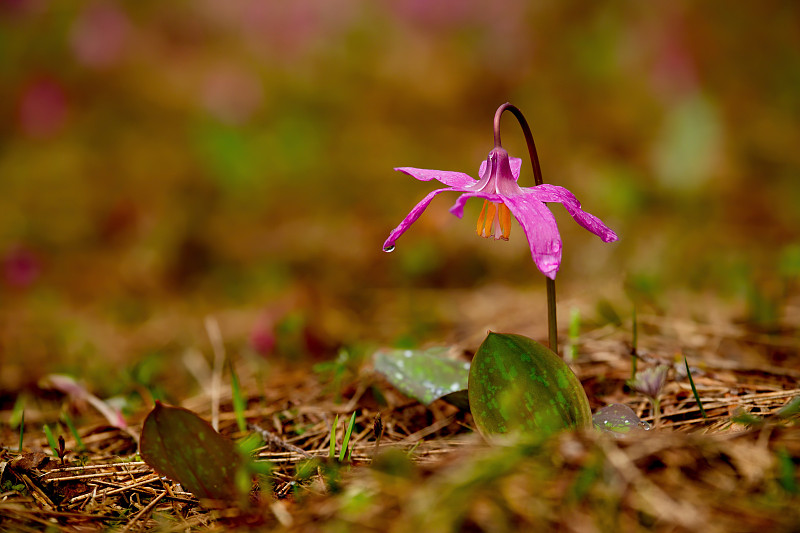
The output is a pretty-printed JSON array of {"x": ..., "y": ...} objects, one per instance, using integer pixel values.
[
  {"x": 182, "y": 446},
  {"x": 618, "y": 419},
  {"x": 518, "y": 385},
  {"x": 425, "y": 375}
]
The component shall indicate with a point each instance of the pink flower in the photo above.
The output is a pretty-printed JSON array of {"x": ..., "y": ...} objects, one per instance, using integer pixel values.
[
  {"x": 262, "y": 336},
  {"x": 650, "y": 382},
  {"x": 503, "y": 197},
  {"x": 42, "y": 109},
  {"x": 99, "y": 35},
  {"x": 21, "y": 267}
]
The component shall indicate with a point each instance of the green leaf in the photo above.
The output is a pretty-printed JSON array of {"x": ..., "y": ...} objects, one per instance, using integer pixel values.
[
  {"x": 425, "y": 375},
  {"x": 618, "y": 419},
  {"x": 182, "y": 446},
  {"x": 518, "y": 385}
]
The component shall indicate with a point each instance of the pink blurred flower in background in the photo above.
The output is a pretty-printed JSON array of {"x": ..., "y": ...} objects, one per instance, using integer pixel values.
[
  {"x": 99, "y": 35},
  {"x": 42, "y": 107},
  {"x": 262, "y": 335},
  {"x": 21, "y": 267},
  {"x": 79, "y": 394},
  {"x": 232, "y": 94},
  {"x": 20, "y": 7}
]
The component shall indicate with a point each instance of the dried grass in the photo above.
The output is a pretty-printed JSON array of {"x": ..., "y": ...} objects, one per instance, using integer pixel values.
[{"x": 688, "y": 474}]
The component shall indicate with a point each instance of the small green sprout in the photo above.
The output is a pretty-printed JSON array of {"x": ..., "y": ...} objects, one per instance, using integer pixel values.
[
  {"x": 68, "y": 421},
  {"x": 238, "y": 399},
  {"x": 332, "y": 449},
  {"x": 51, "y": 441},
  {"x": 574, "y": 333},
  {"x": 634, "y": 344},
  {"x": 346, "y": 450},
  {"x": 694, "y": 389},
  {"x": 21, "y": 431}
]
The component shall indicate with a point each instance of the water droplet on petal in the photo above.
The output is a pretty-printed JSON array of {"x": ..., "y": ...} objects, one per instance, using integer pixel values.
[{"x": 388, "y": 248}]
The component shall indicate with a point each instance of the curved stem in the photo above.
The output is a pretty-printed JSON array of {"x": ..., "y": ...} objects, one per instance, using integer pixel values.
[
  {"x": 552, "y": 327},
  {"x": 526, "y": 130}
]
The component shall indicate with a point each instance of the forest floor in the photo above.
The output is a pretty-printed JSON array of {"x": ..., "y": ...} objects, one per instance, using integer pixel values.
[{"x": 736, "y": 469}]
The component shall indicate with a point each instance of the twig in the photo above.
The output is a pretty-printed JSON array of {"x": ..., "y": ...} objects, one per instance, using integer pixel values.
[
  {"x": 109, "y": 492},
  {"x": 377, "y": 429},
  {"x": 215, "y": 336},
  {"x": 421, "y": 434},
  {"x": 147, "y": 508},
  {"x": 92, "y": 476},
  {"x": 268, "y": 436}
]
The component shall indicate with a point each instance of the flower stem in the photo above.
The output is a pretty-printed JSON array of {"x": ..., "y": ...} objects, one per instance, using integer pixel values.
[
  {"x": 552, "y": 328},
  {"x": 656, "y": 402},
  {"x": 526, "y": 130}
]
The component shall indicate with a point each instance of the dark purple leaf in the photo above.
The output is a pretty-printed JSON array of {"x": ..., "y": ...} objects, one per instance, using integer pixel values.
[{"x": 185, "y": 448}]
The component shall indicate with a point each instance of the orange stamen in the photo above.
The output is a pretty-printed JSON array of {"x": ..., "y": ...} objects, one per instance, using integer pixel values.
[
  {"x": 491, "y": 215},
  {"x": 494, "y": 221},
  {"x": 481, "y": 220},
  {"x": 505, "y": 221}
]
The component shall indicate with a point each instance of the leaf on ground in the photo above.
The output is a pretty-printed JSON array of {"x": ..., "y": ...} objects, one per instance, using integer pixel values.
[
  {"x": 619, "y": 420},
  {"x": 425, "y": 375},
  {"x": 519, "y": 385},
  {"x": 182, "y": 446}
]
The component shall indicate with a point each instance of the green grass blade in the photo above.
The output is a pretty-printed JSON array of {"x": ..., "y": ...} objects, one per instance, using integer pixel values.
[
  {"x": 21, "y": 430},
  {"x": 694, "y": 389},
  {"x": 346, "y": 440},
  {"x": 786, "y": 471},
  {"x": 574, "y": 333},
  {"x": 790, "y": 409},
  {"x": 238, "y": 399},
  {"x": 332, "y": 450},
  {"x": 68, "y": 421},
  {"x": 634, "y": 344},
  {"x": 17, "y": 411},
  {"x": 51, "y": 440}
]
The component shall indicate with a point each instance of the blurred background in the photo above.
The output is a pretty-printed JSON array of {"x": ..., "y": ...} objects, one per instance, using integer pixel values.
[{"x": 163, "y": 161}]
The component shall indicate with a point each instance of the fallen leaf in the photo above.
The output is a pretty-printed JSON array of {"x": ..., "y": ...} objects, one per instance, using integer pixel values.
[{"x": 185, "y": 448}]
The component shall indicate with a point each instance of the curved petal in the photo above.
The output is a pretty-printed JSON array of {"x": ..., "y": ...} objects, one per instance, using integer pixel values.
[
  {"x": 458, "y": 207},
  {"x": 553, "y": 193},
  {"x": 412, "y": 217},
  {"x": 540, "y": 227},
  {"x": 453, "y": 179},
  {"x": 516, "y": 167}
]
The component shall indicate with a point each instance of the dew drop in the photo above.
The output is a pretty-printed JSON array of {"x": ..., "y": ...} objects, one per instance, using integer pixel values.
[{"x": 388, "y": 248}]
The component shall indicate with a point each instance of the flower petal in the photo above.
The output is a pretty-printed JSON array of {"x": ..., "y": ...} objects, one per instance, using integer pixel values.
[
  {"x": 516, "y": 167},
  {"x": 412, "y": 217},
  {"x": 553, "y": 193},
  {"x": 453, "y": 179},
  {"x": 540, "y": 227}
]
